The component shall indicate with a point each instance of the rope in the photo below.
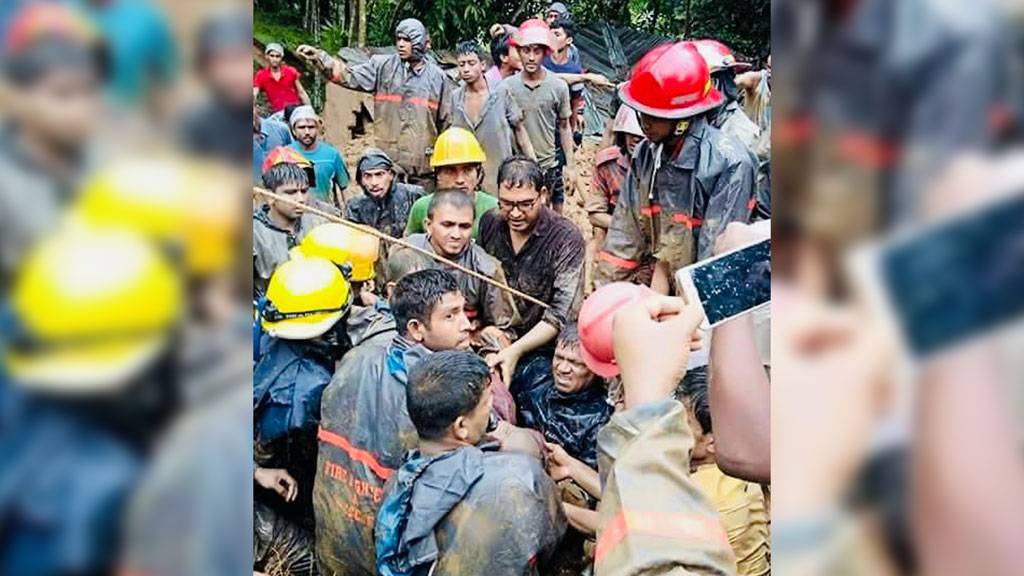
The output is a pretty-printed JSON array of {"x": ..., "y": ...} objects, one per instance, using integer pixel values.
[{"x": 397, "y": 241}]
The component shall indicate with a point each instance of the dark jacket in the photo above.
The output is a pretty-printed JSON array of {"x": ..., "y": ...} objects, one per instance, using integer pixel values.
[
  {"x": 364, "y": 432},
  {"x": 467, "y": 512},
  {"x": 286, "y": 387},
  {"x": 677, "y": 214}
]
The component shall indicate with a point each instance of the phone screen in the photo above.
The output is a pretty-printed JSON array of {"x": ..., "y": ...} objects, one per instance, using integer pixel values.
[
  {"x": 959, "y": 279},
  {"x": 735, "y": 283}
]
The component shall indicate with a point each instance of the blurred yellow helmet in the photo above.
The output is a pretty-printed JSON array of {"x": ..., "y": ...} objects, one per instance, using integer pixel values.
[
  {"x": 93, "y": 308},
  {"x": 457, "y": 146},
  {"x": 343, "y": 244},
  {"x": 305, "y": 298}
]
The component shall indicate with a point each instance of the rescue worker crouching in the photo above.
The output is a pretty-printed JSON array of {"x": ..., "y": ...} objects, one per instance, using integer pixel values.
[
  {"x": 458, "y": 505},
  {"x": 686, "y": 182}
]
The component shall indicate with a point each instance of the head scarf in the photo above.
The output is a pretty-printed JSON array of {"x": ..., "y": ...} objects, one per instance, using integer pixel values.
[
  {"x": 417, "y": 34},
  {"x": 274, "y": 47},
  {"x": 372, "y": 158},
  {"x": 560, "y": 8}
]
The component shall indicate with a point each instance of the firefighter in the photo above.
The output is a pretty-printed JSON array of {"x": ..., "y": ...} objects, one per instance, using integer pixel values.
[
  {"x": 686, "y": 181},
  {"x": 729, "y": 117},
  {"x": 412, "y": 97}
]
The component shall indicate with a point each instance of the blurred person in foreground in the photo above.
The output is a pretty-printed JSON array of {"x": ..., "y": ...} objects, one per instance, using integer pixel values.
[
  {"x": 223, "y": 62},
  {"x": 144, "y": 59},
  {"x": 53, "y": 66},
  {"x": 89, "y": 382},
  {"x": 459, "y": 505},
  {"x": 652, "y": 516},
  {"x": 412, "y": 97},
  {"x": 687, "y": 180}
]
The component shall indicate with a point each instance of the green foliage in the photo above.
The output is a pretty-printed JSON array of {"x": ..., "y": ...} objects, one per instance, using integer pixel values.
[{"x": 745, "y": 25}]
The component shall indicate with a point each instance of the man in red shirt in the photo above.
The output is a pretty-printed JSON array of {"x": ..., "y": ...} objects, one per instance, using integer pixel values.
[{"x": 279, "y": 81}]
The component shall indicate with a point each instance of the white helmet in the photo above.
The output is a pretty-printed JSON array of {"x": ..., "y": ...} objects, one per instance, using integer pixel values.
[{"x": 626, "y": 121}]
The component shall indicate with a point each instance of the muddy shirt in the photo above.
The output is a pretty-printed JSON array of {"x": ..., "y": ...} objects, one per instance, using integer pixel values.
[
  {"x": 611, "y": 167},
  {"x": 543, "y": 106},
  {"x": 411, "y": 108},
  {"x": 676, "y": 213},
  {"x": 270, "y": 243},
  {"x": 389, "y": 214},
  {"x": 469, "y": 511},
  {"x": 494, "y": 129},
  {"x": 365, "y": 431},
  {"x": 485, "y": 304},
  {"x": 549, "y": 266}
]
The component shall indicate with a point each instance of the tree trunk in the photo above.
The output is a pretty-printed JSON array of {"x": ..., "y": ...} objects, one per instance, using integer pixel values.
[
  {"x": 686, "y": 28},
  {"x": 361, "y": 34},
  {"x": 353, "y": 21}
]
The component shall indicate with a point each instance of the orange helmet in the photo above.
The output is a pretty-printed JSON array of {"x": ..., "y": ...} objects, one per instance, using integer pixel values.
[
  {"x": 286, "y": 155},
  {"x": 671, "y": 81},
  {"x": 595, "y": 324}
]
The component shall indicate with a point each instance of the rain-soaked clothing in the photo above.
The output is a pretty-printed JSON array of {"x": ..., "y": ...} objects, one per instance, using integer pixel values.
[
  {"x": 411, "y": 106},
  {"x": 389, "y": 214},
  {"x": 270, "y": 243},
  {"x": 677, "y": 214},
  {"x": 469, "y": 511},
  {"x": 549, "y": 266},
  {"x": 485, "y": 304},
  {"x": 731, "y": 120},
  {"x": 571, "y": 420},
  {"x": 364, "y": 432},
  {"x": 652, "y": 516},
  {"x": 610, "y": 169},
  {"x": 287, "y": 384},
  {"x": 744, "y": 515}
]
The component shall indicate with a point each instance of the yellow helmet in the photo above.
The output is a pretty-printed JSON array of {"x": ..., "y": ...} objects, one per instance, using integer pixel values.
[
  {"x": 305, "y": 298},
  {"x": 343, "y": 244},
  {"x": 94, "y": 307},
  {"x": 457, "y": 146}
]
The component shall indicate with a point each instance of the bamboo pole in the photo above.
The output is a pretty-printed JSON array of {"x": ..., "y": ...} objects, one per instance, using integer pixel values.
[{"x": 399, "y": 242}]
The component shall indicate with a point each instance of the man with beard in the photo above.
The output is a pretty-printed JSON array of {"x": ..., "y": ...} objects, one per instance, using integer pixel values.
[
  {"x": 329, "y": 166},
  {"x": 412, "y": 97},
  {"x": 449, "y": 224}
]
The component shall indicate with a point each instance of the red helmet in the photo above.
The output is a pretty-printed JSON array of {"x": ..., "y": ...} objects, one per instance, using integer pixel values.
[
  {"x": 534, "y": 31},
  {"x": 595, "y": 324},
  {"x": 718, "y": 56},
  {"x": 671, "y": 81}
]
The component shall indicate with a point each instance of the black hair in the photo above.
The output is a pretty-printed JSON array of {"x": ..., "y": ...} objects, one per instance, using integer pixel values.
[
  {"x": 517, "y": 171},
  {"x": 416, "y": 294},
  {"x": 565, "y": 24},
  {"x": 288, "y": 113},
  {"x": 500, "y": 47},
  {"x": 454, "y": 198},
  {"x": 694, "y": 388},
  {"x": 442, "y": 387},
  {"x": 569, "y": 336},
  {"x": 470, "y": 47},
  {"x": 402, "y": 262},
  {"x": 285, "y": 173}
]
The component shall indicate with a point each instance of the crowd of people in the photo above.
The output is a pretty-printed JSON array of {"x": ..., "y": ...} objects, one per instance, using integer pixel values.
[{"x": 427, "y": 396}]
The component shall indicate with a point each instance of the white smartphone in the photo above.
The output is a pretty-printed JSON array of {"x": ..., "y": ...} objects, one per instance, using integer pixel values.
[
  {"x": 941, "y": 285},
  {"x": 730, "y": 284}
]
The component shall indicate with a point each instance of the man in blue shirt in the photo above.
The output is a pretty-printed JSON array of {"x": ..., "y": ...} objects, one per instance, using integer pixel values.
[
  {"x": 327, "y": 161},
  {"x": 267, "y": 134}
]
